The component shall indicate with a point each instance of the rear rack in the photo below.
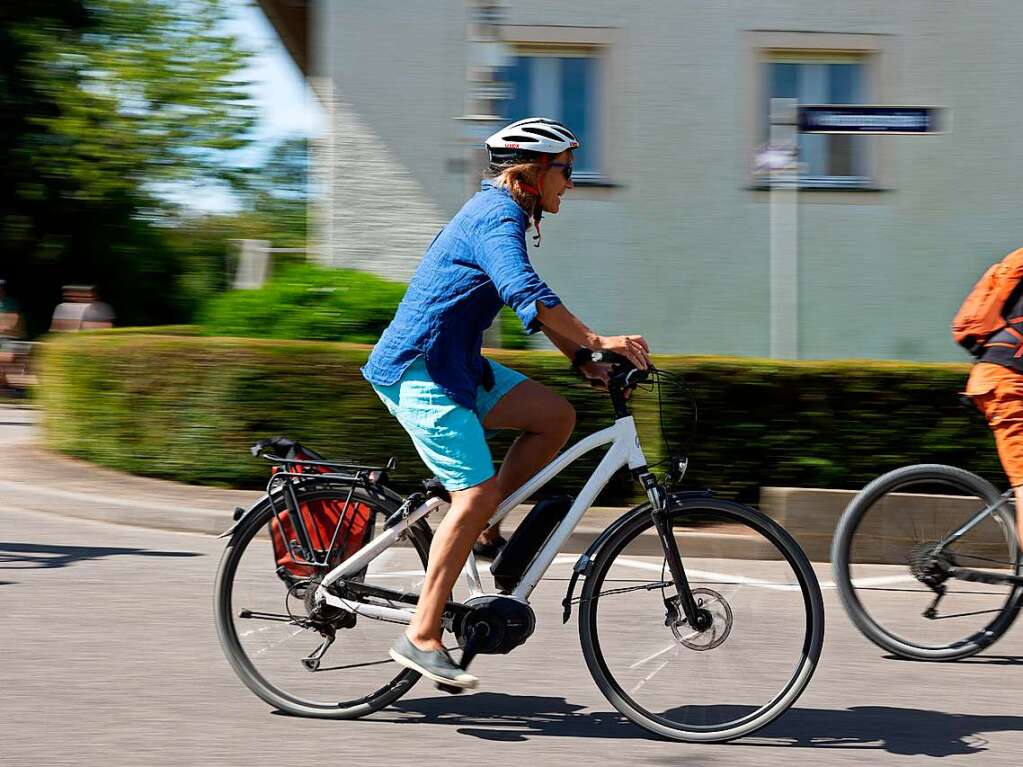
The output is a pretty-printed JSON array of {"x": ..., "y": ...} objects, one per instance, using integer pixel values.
[
  {"x": 391, "y": 464},
  {"x": 287, "y": 479}
]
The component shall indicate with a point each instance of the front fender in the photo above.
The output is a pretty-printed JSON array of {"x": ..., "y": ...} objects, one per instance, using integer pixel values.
[{"x": 585, "y": 562}]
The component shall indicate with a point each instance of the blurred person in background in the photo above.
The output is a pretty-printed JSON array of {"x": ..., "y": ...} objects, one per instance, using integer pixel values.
[
  {"x": 11, "y": 329},
  {"x": 429, "y": 371},
  {"x": 81, "y": 310},
  {"x": 10, "y": 316}
]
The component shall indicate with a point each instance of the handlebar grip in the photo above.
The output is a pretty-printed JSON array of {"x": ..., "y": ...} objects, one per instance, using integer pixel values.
[{"x": 584, "y": 355}]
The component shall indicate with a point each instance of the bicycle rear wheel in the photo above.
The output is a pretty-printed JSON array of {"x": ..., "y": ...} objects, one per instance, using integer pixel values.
[
  {"x": 264, "y": 630},
  {"x": 888, "y": 576},
  {"x": 731, "y": 679}
]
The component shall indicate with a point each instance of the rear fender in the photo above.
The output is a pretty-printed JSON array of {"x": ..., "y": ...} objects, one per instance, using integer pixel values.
[{"x": 240, "y": 515}]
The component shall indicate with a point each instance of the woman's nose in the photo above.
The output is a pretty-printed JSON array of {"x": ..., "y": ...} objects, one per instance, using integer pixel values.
[{"x": 569, "y": 184}]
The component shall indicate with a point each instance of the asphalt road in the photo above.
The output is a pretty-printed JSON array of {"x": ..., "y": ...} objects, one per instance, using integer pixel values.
[{"x": 109, "y": 656}]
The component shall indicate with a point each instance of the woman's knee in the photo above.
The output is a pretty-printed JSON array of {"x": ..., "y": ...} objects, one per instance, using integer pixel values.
[
  {"x": 481, "y": 500},
  {"x": 563, "y": 420}
]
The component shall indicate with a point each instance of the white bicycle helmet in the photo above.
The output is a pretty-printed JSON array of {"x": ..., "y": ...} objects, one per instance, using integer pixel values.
[{"x": 522, "y": 141}]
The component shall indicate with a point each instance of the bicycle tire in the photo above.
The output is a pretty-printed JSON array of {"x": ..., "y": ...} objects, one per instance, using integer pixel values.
[
  {"x": 868, "y": 624},
  {"x": 812, "y": 628},
  {"x": 254, "y": 679}
]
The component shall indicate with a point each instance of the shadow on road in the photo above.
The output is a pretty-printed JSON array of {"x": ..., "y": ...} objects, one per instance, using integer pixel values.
[
  {"x": 905, "y": 731},
  {"x": 511, "y": 718},
  {"x": 981, "y": 660},
  {"x": 33, "y": 556}
]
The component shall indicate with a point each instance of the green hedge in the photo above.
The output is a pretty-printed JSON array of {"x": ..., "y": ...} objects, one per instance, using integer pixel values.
[
  {"x": 307, "y": 302},
  {"x": 187, "y": 408}
]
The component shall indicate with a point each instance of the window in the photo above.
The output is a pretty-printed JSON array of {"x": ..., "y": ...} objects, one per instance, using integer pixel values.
[
  {"x": 818, "y": 78},
  {"x": 564, "y": 86}
]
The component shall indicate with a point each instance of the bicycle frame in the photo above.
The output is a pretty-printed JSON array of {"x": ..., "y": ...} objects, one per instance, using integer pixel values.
[
  {"x": 975, "y": 520},
  {"x": 625, "y": 450}
]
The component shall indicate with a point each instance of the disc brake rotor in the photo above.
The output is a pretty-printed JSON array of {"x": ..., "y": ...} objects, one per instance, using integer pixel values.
[{"x": 720, "y": 626}]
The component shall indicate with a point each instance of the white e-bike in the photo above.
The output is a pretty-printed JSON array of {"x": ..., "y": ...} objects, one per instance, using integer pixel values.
[{"x": 709, "y": 650}]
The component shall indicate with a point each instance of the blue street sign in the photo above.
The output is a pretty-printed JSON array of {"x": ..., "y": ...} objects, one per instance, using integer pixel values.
[{"x": 868, "y": 119}]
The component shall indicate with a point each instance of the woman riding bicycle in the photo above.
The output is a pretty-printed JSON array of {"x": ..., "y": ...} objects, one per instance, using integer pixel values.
[{"x": 428, "y": 368}]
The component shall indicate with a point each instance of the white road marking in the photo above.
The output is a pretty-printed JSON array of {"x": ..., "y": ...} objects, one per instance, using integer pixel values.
[
  {"x": 648, "y": 677},
  {"x": 882, "y": 580},
  {"x": 710, "y": 575},
  {"x": 657, "y": 654}
]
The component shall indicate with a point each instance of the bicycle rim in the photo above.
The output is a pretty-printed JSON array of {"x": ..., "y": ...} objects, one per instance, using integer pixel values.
[
  {"x": 722, "y": 683},
  {"x": 259, "y": 620},
  {"x": 888, "y": 568}
]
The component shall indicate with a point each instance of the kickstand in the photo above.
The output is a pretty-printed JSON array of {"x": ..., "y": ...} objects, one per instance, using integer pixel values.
[
  {"x": 931, "y": 613},
  {"x": 312, "y": 662},
  {"x": 468, "y": 653}
]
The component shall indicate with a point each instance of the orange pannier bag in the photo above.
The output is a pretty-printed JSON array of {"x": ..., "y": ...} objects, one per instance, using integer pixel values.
[
  {"x": 337, "y": 528},
  {"x": 982, "y": 313}
]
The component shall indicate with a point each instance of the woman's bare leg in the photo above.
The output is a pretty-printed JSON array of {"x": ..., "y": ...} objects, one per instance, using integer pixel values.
[
  {"x": 470, "y": 510},
  {"x": 546, "y": 420}
]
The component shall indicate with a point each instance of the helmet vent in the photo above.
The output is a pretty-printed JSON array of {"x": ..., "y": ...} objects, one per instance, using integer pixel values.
[{"x": 544, "y": 133}]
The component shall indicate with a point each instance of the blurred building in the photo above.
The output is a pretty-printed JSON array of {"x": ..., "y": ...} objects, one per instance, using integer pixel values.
[{"x": 667, "y": 231}]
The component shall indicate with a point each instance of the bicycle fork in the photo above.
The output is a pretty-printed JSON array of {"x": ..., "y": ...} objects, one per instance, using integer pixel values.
[{"x": 683, "y": 603}]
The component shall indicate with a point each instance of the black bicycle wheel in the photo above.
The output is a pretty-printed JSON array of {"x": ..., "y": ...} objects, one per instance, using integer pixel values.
[
  {"x": 888, "y": 570},
  {"x": 731, "y": 679},
  {"x": 261, "y": 622}
]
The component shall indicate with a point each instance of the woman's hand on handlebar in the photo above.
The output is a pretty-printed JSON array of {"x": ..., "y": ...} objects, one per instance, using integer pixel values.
[{"x": 634, "y": 348}]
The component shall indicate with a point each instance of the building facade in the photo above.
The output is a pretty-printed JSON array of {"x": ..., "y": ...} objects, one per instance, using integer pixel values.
[{"x": 668, "y": 231}]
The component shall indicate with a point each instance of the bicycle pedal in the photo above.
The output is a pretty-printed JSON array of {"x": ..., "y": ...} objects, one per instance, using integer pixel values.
[{"x": 450, "y": 688}]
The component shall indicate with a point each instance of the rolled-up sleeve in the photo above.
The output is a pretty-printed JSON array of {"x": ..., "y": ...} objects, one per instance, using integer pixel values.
[{"x": 501, "y": 253}]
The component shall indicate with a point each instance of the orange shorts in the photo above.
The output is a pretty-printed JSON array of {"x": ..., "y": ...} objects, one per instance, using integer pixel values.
[{"x": 998, "y": 393}]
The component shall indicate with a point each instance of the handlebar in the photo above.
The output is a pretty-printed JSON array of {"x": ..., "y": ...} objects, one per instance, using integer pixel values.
[
  {"x": 624, "y": 376},
  {"x": 620, "y": 365}
]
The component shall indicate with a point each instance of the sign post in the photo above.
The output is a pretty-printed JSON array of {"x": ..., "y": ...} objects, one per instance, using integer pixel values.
[
  {"x": 778, "y": 162},
  {"x": 782, "y": 166}
]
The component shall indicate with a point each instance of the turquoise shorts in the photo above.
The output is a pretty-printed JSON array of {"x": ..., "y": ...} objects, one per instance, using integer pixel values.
[{"x": 448, "y": 437}]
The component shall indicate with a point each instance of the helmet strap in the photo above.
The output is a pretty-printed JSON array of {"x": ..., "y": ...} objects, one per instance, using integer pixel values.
[{"x": 538, "y": 208}]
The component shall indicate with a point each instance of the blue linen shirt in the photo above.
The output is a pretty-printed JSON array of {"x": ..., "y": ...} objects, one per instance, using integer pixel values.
[{"x": 477, "y": 264}]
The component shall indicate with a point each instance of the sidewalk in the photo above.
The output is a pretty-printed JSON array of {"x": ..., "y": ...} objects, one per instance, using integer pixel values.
[{"x": 35, "y": 479}]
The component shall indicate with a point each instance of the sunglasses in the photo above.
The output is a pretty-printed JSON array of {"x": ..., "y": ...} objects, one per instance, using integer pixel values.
[{"x": 566, "y": 169}]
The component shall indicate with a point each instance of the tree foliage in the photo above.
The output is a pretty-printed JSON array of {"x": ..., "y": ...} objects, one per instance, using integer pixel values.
[{"x": 103, "y": 104}]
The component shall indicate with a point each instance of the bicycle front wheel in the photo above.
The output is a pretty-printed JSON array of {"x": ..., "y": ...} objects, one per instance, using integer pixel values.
[
  {"x": 890, "y": 569},
  {"x": 266, "y": 626},
  {"x": 730, "y": 679}
]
